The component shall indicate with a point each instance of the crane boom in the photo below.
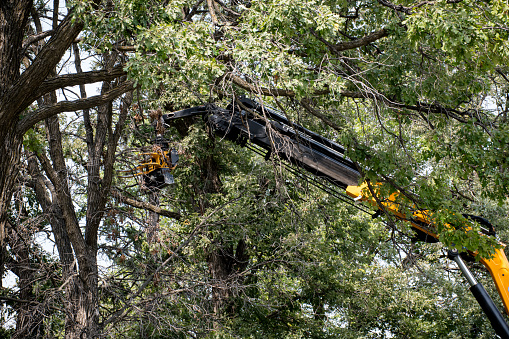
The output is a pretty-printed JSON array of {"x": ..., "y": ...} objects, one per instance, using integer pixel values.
[{"x": 247, "y": 120}]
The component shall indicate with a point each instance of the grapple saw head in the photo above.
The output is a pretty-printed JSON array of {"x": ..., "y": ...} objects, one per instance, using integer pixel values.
[{"x": 156, "y": 166}]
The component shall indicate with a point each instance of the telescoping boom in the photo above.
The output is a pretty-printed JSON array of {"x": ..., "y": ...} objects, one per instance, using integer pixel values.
[{"x": 248, "y": 121}]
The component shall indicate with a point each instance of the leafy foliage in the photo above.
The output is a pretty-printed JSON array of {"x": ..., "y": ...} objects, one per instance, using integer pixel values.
[{"x": 416, "y": 93}]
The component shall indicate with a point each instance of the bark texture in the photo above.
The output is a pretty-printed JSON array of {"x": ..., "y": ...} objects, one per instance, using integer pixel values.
[{"x": 24, "y": 81}]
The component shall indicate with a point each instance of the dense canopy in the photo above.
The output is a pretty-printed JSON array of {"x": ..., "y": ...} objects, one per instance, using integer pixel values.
[{"x": 242, "y": 244}]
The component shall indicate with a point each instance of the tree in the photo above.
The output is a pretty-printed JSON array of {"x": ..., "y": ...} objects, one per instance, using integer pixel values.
[
  {"x": 318, "y": 60},
  {"x": 29, "y": 74},
  {"x": 248, "y": 248},
  {"x": 403, "y": 86}
]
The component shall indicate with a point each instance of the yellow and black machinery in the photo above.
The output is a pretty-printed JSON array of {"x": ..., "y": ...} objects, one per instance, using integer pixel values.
[
  {"x": 156, "y": 166},
  {"x": 248, "y": 122}
]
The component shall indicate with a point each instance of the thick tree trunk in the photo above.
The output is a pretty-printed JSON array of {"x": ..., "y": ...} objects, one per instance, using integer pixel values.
[
  {"x": 223, "y": 260},
  {"x": 78, "y": 252},
  {"x": 13, "y": 21},
  {"x": 87, "y": 303},
  {"x": 82, "y": 320},
  {"x": 224, "y": 265},
  {"x": 220, "y": 262},
  {"x": 10, "y": 150}
]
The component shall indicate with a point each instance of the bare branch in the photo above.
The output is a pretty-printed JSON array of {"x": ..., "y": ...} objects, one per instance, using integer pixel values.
[
  {"x": 70, "y": 106},
  {"x": 222, "y": 4},
  {"x": 193, "y": 11},
  {"x": 16, "y": 300},
  {"x": 117, "y": 316},
  {"x": 79, "y": 79},
  {"x": 55, "y": 13},
  {"x": 125, "y": 48},
  {"x": 89, "y": 132},
  {"x": 35, "y": 38},
  {"x": 144, "y": 205}
]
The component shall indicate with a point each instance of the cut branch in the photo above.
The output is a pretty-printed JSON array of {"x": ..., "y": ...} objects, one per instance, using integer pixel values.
[
  {"x": 144, "y": 205},
  {"x": 71, "y": 106},
  {"x": 126, "y": 48}
]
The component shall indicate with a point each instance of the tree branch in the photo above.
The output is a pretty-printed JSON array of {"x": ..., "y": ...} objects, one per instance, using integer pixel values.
[
  {"x": 36, "y": 37},
  {"x": 408, "y": 10},
  {"x": 78, "y": 79},
  {"x": 19, "y": 97},
  {"x": 125, "y": 48},
  {"x": 276, "y": 92},
  {"x": 499, "y": 71},
  {"x": 212, "y": 12},
  {"x": 115, "y": 317},
  {"x": 193, "y": 11},
  {"x": 398, "y": 8},
  {"x": 70, "y": 106},
  {"x": 356, "y": 43},
  {"x": 327, "y": 121},
  {"x": 16, "y": 300},
  {"x": 362, "y": 41},
  {"x": 144, "y": 205},
  {"x": 420, "y": 107},
  {"x": 222, "y": 4},
  {"x": 366, "y": 40}
]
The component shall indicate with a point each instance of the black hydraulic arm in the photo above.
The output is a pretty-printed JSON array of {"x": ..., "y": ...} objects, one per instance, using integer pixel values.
[
  {"x": 490, "y": 309},
  {"x": 296, "y": 144},
  {"x": 250, "y": 121}
]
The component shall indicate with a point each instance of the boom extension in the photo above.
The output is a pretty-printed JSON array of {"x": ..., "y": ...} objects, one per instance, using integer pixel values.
[{"x": 250, "y": 121}]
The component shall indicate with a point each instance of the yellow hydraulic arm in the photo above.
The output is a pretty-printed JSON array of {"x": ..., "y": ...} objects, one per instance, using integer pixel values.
[
  {"x": 498, "y": 266},
  {"x": 242, "y": 122},
  {"x": 154, "y": 160}
]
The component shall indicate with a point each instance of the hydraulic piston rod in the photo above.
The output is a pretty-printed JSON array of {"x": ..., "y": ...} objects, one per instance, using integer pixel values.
[{"x": 487, "y": 304}]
